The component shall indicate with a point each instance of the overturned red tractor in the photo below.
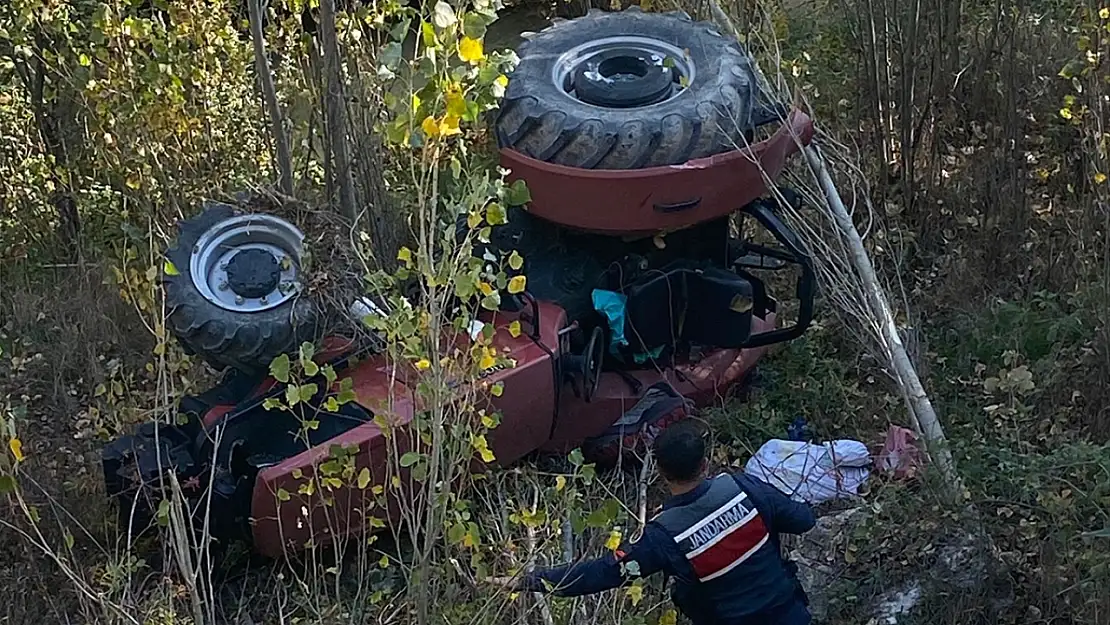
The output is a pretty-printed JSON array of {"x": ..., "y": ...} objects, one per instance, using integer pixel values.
[{"x": 626, "y": 127}]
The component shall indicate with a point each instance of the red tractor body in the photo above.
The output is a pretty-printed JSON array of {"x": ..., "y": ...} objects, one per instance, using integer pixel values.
[{"x": 641, "y": 304}]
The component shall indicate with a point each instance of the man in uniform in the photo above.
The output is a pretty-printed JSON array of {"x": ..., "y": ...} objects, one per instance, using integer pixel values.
[{"x": 718, "y": 537}]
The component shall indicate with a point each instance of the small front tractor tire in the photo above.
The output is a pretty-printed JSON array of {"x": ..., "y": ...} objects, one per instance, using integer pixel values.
[{"x": 237, "y": 309}]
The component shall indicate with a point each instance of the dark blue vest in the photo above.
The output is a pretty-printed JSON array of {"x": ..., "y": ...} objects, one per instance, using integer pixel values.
[{"x": 735, "y": 569}]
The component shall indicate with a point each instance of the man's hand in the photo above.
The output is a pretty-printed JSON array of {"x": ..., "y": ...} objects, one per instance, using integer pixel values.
[{"x": 507, "y": 583}]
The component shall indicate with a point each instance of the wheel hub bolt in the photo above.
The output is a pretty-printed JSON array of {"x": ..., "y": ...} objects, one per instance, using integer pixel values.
[
  {"x": 262, "y": 300},
  {"x": 239, "y": 299}
]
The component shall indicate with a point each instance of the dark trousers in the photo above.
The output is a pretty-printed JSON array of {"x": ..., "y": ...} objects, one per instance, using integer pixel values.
[{"x": 795, "y": 614}]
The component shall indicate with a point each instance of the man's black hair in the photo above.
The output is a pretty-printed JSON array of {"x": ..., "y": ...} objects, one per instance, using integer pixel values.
[{"x": 679, "y": 450}]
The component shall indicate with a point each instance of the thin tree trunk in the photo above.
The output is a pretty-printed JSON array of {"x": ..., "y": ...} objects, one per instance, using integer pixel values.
[
  {"x": 921, "y": 408},
  {"x": 337, "y": 111},
  {"x": 269, "y": 97},
  {"x": 56, "y": 123}
]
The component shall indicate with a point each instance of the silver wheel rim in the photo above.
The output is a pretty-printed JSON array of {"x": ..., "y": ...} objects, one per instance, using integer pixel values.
[
  {"x": 672, "y": 58},
  {"x": 218, "y": 246}
]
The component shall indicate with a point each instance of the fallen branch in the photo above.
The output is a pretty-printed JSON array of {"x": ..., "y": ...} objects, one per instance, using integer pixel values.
[
  {"x": 864, "y": 300},
  {"x": 920, "y": 407}
]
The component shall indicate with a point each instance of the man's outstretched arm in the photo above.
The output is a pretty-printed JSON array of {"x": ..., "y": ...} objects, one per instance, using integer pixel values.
[
  {"x": 642, "y": 558},
  {"x": 786, "y": 515}
]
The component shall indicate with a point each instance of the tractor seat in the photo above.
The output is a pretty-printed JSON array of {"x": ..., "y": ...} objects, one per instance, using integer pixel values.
[{"x": 688, "y": 303}]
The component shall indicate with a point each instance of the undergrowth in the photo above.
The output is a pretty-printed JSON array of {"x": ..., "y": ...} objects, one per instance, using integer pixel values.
[{"x": 1001, "y": 250}]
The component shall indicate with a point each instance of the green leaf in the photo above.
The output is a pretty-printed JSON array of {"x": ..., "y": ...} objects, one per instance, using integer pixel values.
[
  {"x": 331, "y": 405},
  {"x": 163, "y": 514},
  {"x": 456, "y": 533},
  {"x": 282, "y": 494},
  {"x": 7, "y": 484},
  {"x": 474, "y": 25},
  {"x": 311, "y": 368},
  {"x": 428, "y": 33},
  {"x": 292, "y": 395},
  {"x": 279, "y": 368},
  {"x": 363, "y": 478},
  {"x": 495, "y": 214},
  {"x": 409, "y": 458},
  {"x": 307, "y": 391},
  {"x": 306, "y": 353},
  {"x": 443, "y": 15},
  {"x": 519, "y": 194},
  {"x": 516, "y": 261},
  {"x": 390, "y": 54},
  {"x": 329, "y": 374}
]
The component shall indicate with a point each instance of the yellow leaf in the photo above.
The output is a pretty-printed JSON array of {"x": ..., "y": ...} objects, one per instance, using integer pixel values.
[
  {"x": 470, "y": 50},
  {"x": 450, "y": 125},
  {"x": 456, "y": 103},
  {"x": 614, "y": 541},
  {"x": 363, "y": 478},
  {"x": 404, "y": 255},
  {"x": 514, "y": 329},
  {"x": 472, "y": 221},
  {"x": 502, "y": 80},
  {"x": 1104, "y": 13},
  {"x": 480, "y": 444},
  {"x": 429, "y": 126},
  {"x": 16, "y": 446},
  {"x": 485, "y": 288},
  {"x": 517, "y": 284},
  {"x": 1100, "y": 178},
  {"x": 670, "y": 617},
  {"x": 170, "y": 269},
  {"x": 487, "y": 360},
  {"x": 384, "y": 562},
  {"x": 423, "y": 364},
  {"x": 1065, "y": 113},
  {"x": 636, "y": 594},
  {"x": 560, "y": 483}
]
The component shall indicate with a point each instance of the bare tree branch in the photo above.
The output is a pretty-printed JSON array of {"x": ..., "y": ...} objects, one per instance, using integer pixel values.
[
  {"x": 270, "y": 101},
  {"x": 336, "y": 110}
]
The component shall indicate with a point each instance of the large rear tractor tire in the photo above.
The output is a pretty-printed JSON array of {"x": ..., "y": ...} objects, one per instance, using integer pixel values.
[
  {"x": 628, "y": 90},
  {"x": 234, "y": 297}
]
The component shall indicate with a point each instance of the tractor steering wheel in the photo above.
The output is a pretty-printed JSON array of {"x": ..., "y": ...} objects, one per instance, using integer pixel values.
[{"x": 592, "y": 358}]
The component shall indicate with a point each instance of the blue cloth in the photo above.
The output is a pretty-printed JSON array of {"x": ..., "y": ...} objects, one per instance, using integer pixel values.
[
  {"x": 770, "y": 596},
  {"x": 798, "y": 430},
  {"x": 613, "y": 306}
]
